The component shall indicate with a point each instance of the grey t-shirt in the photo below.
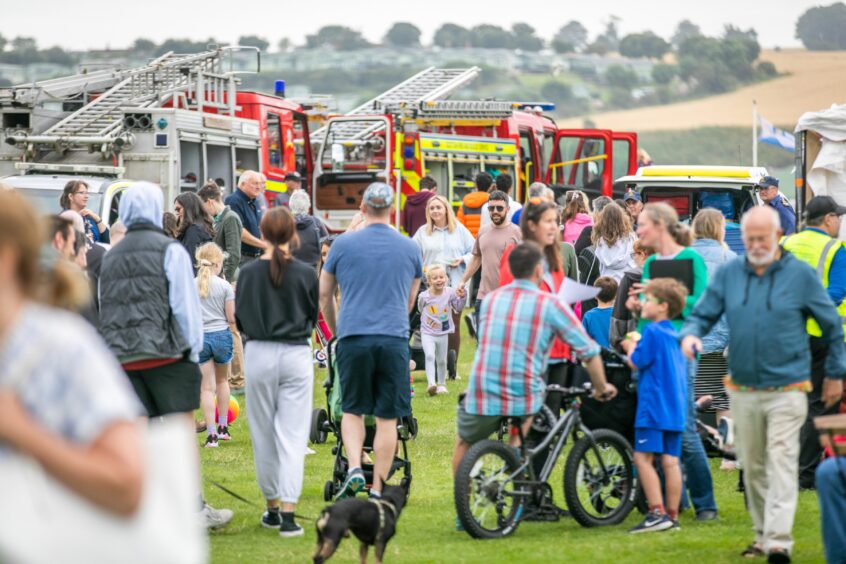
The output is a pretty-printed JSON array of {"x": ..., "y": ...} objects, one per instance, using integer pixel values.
[{"x": 214, "y": 315}]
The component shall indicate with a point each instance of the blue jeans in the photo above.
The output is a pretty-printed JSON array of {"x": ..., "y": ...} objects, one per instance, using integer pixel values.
[
  {"x": 831, "y": 489},
  {"x": 697, "y": 473}
]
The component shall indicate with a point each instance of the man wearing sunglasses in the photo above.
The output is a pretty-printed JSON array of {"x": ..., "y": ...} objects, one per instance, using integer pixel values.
[
  {"x": 767, "y": 189},
  {"x": 490, "y": 245},
  {"x": 818, "y": 247}
]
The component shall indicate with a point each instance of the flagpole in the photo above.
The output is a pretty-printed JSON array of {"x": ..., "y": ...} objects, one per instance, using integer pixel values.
[{"x": 754, "y": 133}]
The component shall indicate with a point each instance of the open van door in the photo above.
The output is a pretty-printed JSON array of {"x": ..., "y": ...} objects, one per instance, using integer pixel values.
[
  {"x": 624, "y": 147},
  {"x": 582, "y": 160}
]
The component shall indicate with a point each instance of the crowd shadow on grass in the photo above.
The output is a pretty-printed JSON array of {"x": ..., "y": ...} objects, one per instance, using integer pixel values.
[{"x": 426, "y": 531}]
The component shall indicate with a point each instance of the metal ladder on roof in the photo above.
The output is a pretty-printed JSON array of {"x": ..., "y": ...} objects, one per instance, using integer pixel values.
[
  {"x": 428, "y": 85},
  {"x": 442, "y": 110}
]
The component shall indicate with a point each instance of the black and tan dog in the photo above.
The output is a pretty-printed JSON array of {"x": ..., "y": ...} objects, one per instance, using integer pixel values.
[{"x": 372, "y": 521}]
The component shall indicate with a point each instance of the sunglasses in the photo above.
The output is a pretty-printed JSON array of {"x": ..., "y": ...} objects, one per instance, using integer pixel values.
[{"x": 496, "y": 208}]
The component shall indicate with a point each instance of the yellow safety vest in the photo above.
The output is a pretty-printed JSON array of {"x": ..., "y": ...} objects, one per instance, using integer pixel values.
[{"x": 816, "y": 250}]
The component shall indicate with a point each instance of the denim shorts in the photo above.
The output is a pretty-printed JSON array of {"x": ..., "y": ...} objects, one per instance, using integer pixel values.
[{"x": 217, "y": 346}]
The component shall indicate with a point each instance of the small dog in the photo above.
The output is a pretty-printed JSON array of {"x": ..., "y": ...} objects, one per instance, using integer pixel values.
[{"x": 373, "y": 522}]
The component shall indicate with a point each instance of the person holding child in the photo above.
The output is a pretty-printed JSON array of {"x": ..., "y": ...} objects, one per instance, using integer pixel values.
[
  {"x": 661, "y": 403},
  {"x": 217, "y": 301},
  {"x": 437, "y": 306}
]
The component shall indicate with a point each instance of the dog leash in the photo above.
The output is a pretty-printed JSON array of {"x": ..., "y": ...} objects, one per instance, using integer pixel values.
[{"x": 247, "y": 501}]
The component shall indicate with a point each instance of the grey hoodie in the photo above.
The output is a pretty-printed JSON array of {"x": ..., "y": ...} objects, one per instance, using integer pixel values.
[
  {"x": 766, "y": 315},
  {"x": 142, "y": 202},
  {"x": 615, "y": 260}
]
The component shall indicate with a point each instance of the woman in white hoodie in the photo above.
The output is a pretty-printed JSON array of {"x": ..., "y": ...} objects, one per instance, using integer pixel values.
[{"x": 613, "y": 239}]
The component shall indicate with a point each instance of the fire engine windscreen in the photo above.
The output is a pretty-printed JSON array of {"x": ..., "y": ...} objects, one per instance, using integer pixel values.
[{"x": 355, "y": 146}]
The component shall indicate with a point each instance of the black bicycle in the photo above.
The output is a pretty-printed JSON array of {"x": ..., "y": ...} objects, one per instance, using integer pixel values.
[{"x": 497, "y": 487}]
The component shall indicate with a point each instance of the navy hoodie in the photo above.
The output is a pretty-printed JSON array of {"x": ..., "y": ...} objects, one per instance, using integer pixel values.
[{"x": 766, "y": 315}]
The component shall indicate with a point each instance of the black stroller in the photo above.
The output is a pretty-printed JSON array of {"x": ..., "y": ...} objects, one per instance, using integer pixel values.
[{"x": 326, "y": 421}]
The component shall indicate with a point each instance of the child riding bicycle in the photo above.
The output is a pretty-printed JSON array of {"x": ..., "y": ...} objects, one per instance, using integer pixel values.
[{"x": 517, "y": 326}]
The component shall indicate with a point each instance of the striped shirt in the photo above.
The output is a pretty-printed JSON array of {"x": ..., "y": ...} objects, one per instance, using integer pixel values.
[{"x": 517, "y": 325}]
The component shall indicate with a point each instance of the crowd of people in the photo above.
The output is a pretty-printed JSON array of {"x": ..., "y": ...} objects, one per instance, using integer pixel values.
[{"x": 226, "y": 295}]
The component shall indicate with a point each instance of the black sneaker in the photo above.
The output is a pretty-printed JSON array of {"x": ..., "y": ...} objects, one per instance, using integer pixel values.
[
  {"x": 223, "y": 433},
  {"x": 211, "y": 441},
  {"x": 289, "y": 527},
  {"x": 271, "y": 519},
  {"x": 653, "y": 522},
  {"x": 353, "y": 484}
]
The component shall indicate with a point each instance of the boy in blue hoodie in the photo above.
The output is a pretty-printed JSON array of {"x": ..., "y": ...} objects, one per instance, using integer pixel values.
[{"x": 661, "y": 401}]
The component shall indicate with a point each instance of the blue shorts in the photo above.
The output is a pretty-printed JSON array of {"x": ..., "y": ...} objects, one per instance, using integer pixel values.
[
  {"x": 656, "y": 441},
  {"x": 217, "y": 346}
]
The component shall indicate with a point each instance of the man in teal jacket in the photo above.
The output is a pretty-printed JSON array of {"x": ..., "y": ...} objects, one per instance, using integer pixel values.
[{"x": 767, "y": 297}]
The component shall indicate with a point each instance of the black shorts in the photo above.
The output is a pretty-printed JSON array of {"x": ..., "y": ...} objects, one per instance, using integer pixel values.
[
  {"x": 173, "y": 388},
  {"x": 374, "y": 376}
]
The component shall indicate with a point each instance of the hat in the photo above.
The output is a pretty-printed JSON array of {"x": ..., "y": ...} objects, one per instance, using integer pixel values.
[
  {"x": 294, "y": 176},
  {"x": 767, "y": 182},
  {"x": 379, "y": 196},
  {"x": 820, "y": 206},
  {"x": 632, "y": 195}
]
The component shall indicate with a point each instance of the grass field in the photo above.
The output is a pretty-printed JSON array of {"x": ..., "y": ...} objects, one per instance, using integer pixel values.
[
  {"x": 426, "y": 528},
  {"x": 813, "y": 81}
]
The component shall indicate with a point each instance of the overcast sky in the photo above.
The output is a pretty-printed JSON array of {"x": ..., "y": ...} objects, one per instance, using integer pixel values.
[{"x": 116, "y": 23}]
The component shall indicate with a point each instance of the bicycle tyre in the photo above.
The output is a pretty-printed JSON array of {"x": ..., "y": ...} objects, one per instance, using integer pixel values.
[
  {"x": 604, "y": 439},
  {"x": 464, "y": 487}
]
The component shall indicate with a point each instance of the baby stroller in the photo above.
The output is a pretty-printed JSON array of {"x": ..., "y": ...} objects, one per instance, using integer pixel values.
[
  {"x": 324, "y": 422},
  {"x": 619, "y": 413}
]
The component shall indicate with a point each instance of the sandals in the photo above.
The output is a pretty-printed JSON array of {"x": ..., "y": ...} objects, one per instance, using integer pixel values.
[{"x": 752, "y": 551}]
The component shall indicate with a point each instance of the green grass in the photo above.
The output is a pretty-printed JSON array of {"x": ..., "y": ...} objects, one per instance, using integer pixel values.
[{"x": 426, "y": 527}]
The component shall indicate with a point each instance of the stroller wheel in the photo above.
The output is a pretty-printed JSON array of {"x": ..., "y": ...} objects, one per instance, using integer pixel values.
[
  {"x": 317, "y": 435},
  {"x": 405, "y": 484},
  {"x": 328, "y": 491}
]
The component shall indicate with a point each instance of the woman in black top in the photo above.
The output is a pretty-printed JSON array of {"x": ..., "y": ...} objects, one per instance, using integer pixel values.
[
  {"x": 276, "y": 307},
  {"x": 195, "y": 226}
]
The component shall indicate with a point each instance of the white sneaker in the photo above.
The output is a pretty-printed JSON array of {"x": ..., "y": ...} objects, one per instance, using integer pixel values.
[
  {"x": 441, "y": 390},
  {"x": 215, "y": 518}
]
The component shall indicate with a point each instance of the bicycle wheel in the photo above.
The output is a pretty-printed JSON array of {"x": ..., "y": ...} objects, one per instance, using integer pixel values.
[
  {"x": 484, "y": 499},
  {"x": 596, "y": 497}
]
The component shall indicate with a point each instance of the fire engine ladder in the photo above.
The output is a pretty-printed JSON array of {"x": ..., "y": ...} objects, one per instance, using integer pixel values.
[
  {"x": 198, "y": 77},
  {"x": 450, "y": 111},
  {"x": 428, "y": 85}
]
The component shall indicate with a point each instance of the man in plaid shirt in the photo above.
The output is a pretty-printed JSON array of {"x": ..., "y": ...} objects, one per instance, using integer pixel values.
[{"x": 518, "y": 324}]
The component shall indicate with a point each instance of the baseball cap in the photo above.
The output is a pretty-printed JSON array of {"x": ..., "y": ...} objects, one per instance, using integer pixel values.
[
  {"x": 632, "y": 195},
  {"x": 379, "y": 196},
  {"x": 820, "y": 206},
  {"x": 294, "y": 176},
  {"x": 767, "y": 181}
]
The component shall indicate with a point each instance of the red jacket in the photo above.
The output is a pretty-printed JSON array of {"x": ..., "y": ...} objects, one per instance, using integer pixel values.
[
  {"x": 560, "y": 349},
  {"x": 470, "y": 211}
]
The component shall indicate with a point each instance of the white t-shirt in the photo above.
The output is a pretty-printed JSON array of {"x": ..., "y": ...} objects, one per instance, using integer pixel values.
[
  {"x": 212, "y": 306},
  {"x": 513, "y": 206}
]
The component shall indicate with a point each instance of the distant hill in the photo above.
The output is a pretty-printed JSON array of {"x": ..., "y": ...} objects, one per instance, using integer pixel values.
[{"x": 814, "y": 81}]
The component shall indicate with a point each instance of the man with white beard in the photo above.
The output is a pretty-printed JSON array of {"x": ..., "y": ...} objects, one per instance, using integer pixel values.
[{"x": 766, "y": 297}]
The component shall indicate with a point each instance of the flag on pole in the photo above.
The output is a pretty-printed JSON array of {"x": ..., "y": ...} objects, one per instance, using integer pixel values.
[{"x": 775, "y": 136}]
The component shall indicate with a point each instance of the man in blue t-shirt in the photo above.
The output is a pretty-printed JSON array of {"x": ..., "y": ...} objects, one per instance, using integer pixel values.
[
  {"x": 661, "y": 402},
  {"x": 379, "y": 272},
  {"x": 597, "y": 322}
]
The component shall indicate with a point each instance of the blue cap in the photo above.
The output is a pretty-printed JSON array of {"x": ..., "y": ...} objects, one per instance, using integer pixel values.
[
  {"x": 632, "y": 195},
  {"x": 379, "y": 196},
  {"x": 767, "y": 181}
]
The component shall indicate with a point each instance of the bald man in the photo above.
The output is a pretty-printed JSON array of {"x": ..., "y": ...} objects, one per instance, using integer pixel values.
[
  {"x": 766, "y": 297},
  {"x": 244, "y": 202}
]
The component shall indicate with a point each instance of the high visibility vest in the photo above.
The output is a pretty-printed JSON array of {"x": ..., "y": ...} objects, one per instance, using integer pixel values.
[{"x": 816, "y": 250}]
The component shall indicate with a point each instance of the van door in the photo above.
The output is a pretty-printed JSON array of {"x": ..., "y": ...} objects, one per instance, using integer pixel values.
[
  {"x": 624, "y": 148},
  {"x": 582, "y": 159}
]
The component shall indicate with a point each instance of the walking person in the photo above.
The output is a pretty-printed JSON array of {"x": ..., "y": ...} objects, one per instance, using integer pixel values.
[
  {"x": 709, "y": 228},
  {"x": 659, "y": 227},
  {"x": 470, "y": 211},
  {"x": 379, "y": 272},
  {"x": 276, "y": 307},
  {"x": 217, "y": 301},
  {"x": 765, "y": 312},
  {"x": 817, "y": 246},
  {"x": 75, "y": 197},
  {"x": 195, "y": 226},
  {"x": 614, "y": 242},
  {"x": 488, "y": 249},
  {"x": 503, "y": 182},
  {"x": 150, "y": 315},
  {"x": 437, "y": 305},
  {"x": 445, "y": 241},
  {"x": 243, "y": 202},
  {"x": 414, "y": 212},
  {"x": 227, "y": 228}
]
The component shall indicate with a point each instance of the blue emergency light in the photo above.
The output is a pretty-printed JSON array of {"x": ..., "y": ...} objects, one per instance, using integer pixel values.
[
  {"x": 280, "y": 88},
  {"x": 544, "y": 106}
]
